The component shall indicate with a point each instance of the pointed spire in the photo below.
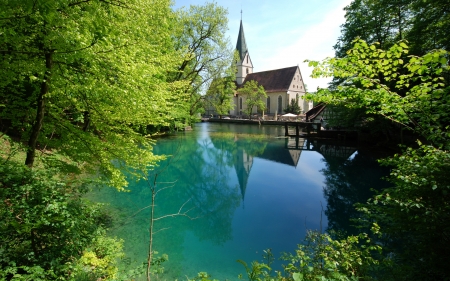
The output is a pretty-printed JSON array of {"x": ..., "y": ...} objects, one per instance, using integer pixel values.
[{"x": 241, "y": 45}]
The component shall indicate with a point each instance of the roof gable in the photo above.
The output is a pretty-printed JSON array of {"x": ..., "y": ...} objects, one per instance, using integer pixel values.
[{"x": 274, "y": 80}]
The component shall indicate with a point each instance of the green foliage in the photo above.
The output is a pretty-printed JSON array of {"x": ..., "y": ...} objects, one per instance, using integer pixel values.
[
  {"x": 255, "y": 95},
  {"x": 256, "y": 271},
  {"x": 414, "y": 214},
  {"x": 321, "y": 258},
  {"x": 202, "y": 276},
  {"x": 46, "y": 227},
  {"x": 414, "y": 92},
  {"x": 294, "y": 107},
  {"x": 220, "y": 93},
  {"x": 408, "y": 90},
  {"x": 100, "y": 259},
  {"x": 430, "y": 26},
  {"x": 425, "y": 24},
  {"x": 85, "y": 77},
  {"x": 373, "y": 21},
  {"x": 200, "y": 38}
]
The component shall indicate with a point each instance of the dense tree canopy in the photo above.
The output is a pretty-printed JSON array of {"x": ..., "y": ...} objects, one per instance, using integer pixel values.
[
  {"x": 425, "y": 24},
  {"x": 86, "y": 77}
]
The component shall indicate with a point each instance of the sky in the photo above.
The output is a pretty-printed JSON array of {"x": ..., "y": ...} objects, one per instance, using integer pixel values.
[{"x": 284, "y": 33}]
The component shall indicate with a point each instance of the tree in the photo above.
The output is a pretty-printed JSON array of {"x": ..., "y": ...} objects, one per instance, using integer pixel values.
[
  {"x": 207, "y": 54},
  {"x": 254, "y": 95},
  {"x": 293, "y": 107},
  {"x": 430, "y": 26},
  {"x": 87, "y": 76},
  {"x": 410, "y": 91},
  {"x": 382, "y": 21},
  {"x": 373, "y": 21},
  {"x": 414, "y": 93},
  {"x": 220, "y": 93},
  {"x": 425, "y": 24}
]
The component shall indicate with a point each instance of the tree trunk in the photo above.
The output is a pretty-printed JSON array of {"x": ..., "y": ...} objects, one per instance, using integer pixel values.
[{"x": 37, "y": 126}]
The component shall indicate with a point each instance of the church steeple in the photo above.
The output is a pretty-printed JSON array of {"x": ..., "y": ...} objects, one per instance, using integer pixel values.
[
  {"x": 241, "y": 45},
  {"x": 244, "y": 65}
]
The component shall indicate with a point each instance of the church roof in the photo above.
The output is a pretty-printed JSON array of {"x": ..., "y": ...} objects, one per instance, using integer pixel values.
[
  {"x": 273, "y": 80},
  {"x": 241, "y": 45}
]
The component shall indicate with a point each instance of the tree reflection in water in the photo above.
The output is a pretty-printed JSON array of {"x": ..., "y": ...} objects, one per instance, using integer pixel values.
[
  {"x": 211, "y": 168},
  {"x": 347, "y": 182}
]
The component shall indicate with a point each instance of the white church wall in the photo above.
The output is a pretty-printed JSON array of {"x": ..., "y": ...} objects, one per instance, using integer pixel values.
[{"x": 243, "y": 68}]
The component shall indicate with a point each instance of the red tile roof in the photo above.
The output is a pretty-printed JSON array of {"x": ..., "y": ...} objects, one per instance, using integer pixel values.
[{"x": 273, "y": 80}]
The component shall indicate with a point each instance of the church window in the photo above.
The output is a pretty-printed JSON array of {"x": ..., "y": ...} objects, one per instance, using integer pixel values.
[
  {"x": 247, "y": 59},
  {"x": 247, "y": 70},
  {"x": 240, "y": 103},
  {"x": 280, "y": 104},
  {"x": 268, "y": 104}
]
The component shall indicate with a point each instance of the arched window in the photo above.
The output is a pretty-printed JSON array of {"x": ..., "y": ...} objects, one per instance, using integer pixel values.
[
  {"x": 280, "y": 104},
  {"x": 268, "y": 105},
  {"x": 240, "y": 103},
  {"x": 247, "y": 70}
]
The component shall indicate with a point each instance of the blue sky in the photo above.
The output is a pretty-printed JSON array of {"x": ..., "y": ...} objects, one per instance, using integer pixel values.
[{"x": 283, "y": 33}]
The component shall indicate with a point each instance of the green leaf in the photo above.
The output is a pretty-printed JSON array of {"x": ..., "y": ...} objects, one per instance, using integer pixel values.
[{"x": 297, "y": 276}]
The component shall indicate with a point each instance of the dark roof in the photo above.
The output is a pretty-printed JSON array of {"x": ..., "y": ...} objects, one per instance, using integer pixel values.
[
  {"x": 273, "y": 80},
  {"x": 277, "y": 153},
  {"x": 241, "y": 45}
]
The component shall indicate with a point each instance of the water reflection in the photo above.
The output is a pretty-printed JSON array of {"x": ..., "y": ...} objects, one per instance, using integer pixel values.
[
  {"x": 202, "y": 175},
  {"x": 250, "y": 188},
  {"x": 348, "y": 182}
]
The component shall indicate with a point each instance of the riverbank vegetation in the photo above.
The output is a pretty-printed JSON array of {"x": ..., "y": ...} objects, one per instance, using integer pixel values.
[
  {"x": 398, "y": 69},
  {"x": 85, "y": 84}
]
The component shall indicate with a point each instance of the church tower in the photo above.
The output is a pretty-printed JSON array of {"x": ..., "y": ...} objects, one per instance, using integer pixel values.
[{"x": 244, "y": 63}]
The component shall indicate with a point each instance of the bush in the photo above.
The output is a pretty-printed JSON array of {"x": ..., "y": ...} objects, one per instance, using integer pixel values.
[
  {"x": 414, "y": 215},
  {"x": 46, "y": 227}
]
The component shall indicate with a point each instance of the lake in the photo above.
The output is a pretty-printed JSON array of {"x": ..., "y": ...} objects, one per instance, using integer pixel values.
[{"x": 244, "y": 189}]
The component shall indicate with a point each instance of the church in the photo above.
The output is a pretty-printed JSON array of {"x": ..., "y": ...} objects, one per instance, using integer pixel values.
[{"x": 281, "y": 85}]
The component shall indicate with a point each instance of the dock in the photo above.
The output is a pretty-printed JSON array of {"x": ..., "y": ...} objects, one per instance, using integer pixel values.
[{"x": 295, "y": 128}]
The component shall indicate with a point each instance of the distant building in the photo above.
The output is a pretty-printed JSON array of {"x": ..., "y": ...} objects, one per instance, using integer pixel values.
[{"x": 281, "y": 85}]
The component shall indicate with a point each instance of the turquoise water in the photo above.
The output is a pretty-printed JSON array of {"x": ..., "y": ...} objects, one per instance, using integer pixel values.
[{"x": 244, "y": 189}]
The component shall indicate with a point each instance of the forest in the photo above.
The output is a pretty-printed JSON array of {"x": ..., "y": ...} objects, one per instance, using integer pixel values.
[{"x": 87, "y": 84}]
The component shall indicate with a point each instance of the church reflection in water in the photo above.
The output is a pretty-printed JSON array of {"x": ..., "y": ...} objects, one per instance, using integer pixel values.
[{"x": 288, "y": 153}]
